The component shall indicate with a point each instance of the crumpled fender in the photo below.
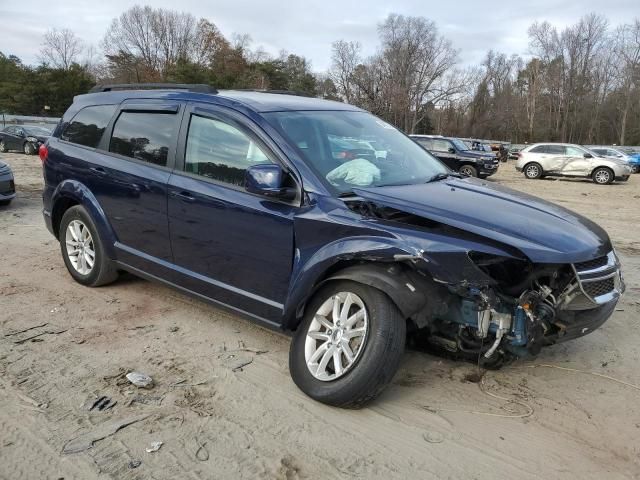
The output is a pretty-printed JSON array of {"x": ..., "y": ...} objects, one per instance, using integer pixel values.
[
  {"x": 308, "y": 272},
  {"x": 80, "y": 193}
]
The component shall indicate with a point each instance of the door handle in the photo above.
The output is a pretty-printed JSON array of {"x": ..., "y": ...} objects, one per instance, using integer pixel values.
[
  {"x": 98, "y": 170},
  {"x": 184, "y": 196}
]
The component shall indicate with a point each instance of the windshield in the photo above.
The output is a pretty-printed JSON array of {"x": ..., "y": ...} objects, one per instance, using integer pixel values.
[
  {"x": 356, "y": 149},
  {"x": 460, "y": 145},
  {"x": 36, "y": 131}
]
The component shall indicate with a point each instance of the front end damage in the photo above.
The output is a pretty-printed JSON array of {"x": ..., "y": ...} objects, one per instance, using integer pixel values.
[
  {"x": 489, "y": 302},
  {"x": 525, "y": 308}
]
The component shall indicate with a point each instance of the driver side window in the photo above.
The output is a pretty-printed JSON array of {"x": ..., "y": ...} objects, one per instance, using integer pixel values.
[{"x": 220, "y": 151}]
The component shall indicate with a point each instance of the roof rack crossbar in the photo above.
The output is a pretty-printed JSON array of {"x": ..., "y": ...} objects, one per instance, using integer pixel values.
[{"x": 197, "y": 88}]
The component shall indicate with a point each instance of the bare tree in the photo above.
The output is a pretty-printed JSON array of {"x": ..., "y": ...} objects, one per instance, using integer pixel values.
[
  {"x": 158, "y": 38},
  {"x": 627, "y": 65},
  {"x": 345, "y": 58},
  {"x": 60, "y": 48}
]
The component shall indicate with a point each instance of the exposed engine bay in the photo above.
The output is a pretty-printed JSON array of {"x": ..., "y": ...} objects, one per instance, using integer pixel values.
[{"x": 504, "y": 307}]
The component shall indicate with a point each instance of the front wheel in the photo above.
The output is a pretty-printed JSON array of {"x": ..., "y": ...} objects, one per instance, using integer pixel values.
[
  {"x": 28, "y": 148},
  {"x": 348, "y": 346},
  {"x": 602, "y": 176},
  {"x": 83, "y": 251},
  {"x": 468, "y": 171},
  {"x": 3, "y": 146}
]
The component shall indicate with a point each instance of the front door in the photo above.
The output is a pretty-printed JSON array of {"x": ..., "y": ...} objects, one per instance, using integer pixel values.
[{"x": 228, "y": 244}]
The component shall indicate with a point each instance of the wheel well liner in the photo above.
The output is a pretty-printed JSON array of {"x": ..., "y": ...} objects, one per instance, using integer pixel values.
[
  {"x": 415, "y": 295},
  {"x": 62, "y": 205}
]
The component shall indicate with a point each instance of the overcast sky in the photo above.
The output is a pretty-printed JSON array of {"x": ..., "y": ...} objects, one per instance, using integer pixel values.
[{"x": 309, "y": 27}]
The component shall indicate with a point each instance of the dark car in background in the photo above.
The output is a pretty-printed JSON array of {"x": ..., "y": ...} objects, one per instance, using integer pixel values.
[
  {"x": 245, "y": 199},
  {"x": 7, "y": 184},
  {"x": 23, "y": 138},
  {"x": 458, "y": 156}
]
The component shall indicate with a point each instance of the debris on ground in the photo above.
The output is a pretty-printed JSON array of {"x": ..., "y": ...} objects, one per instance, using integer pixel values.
[
  {"x": 33, "y": 333},
  {"x": 102, "y": 431},
  {"x": 155, "y": 446},
  {"x": 134, "y": 464},
  {"x": 174, "y": 329},
  {"x": 140, "y": 379},
  {"x": 102, "y": 403}
]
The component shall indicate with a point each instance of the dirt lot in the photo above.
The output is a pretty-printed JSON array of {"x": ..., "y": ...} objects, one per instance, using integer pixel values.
[{"x": 220, "y": 419}]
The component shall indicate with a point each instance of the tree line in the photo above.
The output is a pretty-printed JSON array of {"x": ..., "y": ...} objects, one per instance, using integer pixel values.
[{"x": 579, "y": 84}]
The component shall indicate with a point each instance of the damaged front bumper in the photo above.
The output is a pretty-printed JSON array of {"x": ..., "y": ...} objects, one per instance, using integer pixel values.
[{"x": 485, "y": 323}]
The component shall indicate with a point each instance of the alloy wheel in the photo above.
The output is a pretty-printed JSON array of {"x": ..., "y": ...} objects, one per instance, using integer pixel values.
[
  {"x": 532, "y": 171},
  {"x": 466, "y": 171},
  {"x": 3, "y": 147},
  {"x": 603, "y": 176},
  {"x": 80, "y": 248},
  {"x": 336, "y": 336}
]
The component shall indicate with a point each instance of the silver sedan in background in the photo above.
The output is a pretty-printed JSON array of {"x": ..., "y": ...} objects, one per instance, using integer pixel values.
[{"x": 570, "y": 160}]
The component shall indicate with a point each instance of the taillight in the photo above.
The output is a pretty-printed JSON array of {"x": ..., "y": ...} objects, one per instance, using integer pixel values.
[{"x": 43, "y": 151}]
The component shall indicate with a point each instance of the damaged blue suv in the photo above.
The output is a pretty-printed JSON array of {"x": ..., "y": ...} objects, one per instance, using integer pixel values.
[{"x": 320, "y": 219}]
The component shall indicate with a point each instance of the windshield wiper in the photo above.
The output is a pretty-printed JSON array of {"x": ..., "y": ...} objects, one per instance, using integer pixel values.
[{"x": 443, "y": 176}]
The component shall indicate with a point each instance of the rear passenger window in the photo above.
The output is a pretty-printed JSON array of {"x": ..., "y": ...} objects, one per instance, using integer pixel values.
[
  {"x": 556, "y": 150},
  {"x": 87, "y": 127},
  {"x": 220, "y": 151},
  {"x": 144, "y": 136}
]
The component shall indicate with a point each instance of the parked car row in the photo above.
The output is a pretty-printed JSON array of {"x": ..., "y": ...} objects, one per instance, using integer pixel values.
[
  {"x": 23, "y": 138},
  {"x": 459, "y": 156},
  {"x": 570, "y": 160}
]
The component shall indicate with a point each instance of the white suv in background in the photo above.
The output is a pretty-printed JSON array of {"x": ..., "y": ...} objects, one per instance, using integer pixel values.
[{"x": 569, "y": 160}]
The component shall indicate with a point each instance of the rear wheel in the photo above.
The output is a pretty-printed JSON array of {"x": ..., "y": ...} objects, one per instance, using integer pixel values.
[
  {"x": 4, "y": 203},
  {"x": 348, "y": 346},
  {"x": 28, "y": 148},
  {"x": 468, "y": 170},
  {"x": 3, "y": 147},
  {"x": 83, "y": 250},
  {"x": 602, "y": 176},
  {"x": 533, "y": 170}
]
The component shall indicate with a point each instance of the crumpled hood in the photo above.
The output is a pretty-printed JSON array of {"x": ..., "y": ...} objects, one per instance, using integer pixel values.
[{"x": 543, "y": 231}]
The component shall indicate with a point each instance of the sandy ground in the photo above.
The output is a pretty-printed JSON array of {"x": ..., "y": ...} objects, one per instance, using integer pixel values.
[{"x": 219, "y": 419}]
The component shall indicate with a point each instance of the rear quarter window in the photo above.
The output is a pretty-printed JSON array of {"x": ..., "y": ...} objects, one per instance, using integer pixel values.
[{"x": 88, "y": 125}]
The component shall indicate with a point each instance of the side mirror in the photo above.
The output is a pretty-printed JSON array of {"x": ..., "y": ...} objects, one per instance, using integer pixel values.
[
  {"x": 268, "y": 180},
  {"x": 588, "y": 155},
  {"x": 451, "y": 150},
  {"x": 21, "y": 133}
]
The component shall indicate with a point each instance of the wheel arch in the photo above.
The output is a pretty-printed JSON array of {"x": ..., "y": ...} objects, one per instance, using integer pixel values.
[
  {"x": 408, "y": 290},
  {"x": 70, "y": 193}
]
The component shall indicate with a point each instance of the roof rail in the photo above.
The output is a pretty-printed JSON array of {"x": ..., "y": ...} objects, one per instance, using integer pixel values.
[
  {"x": 279, "y": 92},
  {"x": 195, "y": 87}
]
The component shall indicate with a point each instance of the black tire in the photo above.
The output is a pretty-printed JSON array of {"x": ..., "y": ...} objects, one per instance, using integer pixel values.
[
  {"x": 533, "y": 171},
  {"x": 3, "y": 147},
  {"x": 4, "y": 203},
  {"x": 377, "y": 362},
  {"x": 28, "y": 148},
  {"x": 468, "y": 170},
  {"x": 103, "y": 271},
  {"x": 603, "y": 176},
  {"x": 634, "y": 169}
]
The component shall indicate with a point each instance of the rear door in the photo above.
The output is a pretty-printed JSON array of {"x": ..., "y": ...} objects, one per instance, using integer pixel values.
[
  {"x": 129, "y": 179},
  {"x": 228, "y": 244}
]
